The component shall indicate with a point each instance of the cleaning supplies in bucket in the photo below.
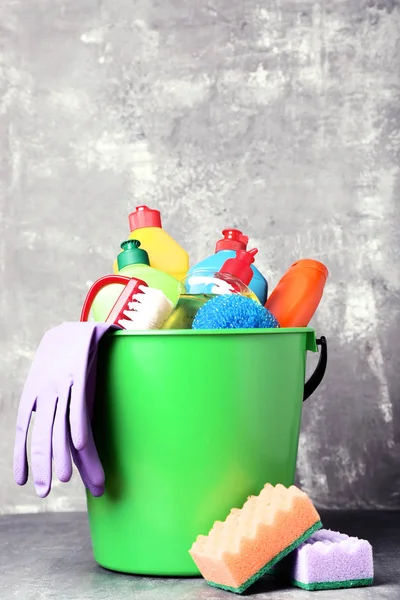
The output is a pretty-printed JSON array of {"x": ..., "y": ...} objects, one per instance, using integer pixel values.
[
  {"x": 141, "y": 443},
  {"x": 133, "y": 262},
  {"x": 165, "y": 254},
  {"x": 233, "y": 240},
  {"x": 230, "y": 270}
]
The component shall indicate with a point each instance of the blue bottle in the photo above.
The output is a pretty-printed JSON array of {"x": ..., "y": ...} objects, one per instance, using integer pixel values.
[{"x": 227, "y": 247}]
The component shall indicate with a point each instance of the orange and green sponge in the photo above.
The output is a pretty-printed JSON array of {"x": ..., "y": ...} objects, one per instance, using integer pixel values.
[{"x": 251, "y": 540}]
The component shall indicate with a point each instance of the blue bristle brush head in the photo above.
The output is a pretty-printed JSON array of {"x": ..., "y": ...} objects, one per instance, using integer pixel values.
[{"x": 233, "y": 311}]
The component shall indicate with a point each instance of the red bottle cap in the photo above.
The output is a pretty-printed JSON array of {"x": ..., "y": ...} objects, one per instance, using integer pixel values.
[
  {"x": 144, "y": 216},
  {"x": 233, "y": 240},
  {"x": 240, "y": 265}
]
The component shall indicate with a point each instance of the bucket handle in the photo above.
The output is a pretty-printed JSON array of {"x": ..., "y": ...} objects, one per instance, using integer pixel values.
[{"x": 315, "y": 379}]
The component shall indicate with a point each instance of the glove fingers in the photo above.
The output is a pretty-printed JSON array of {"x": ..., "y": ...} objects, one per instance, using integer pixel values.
[
  {"x": 61, "y": 451},
  {"x": 77, "y": 415},
  {"x": 95, "y": 490},
  {"x": 89, "y": 466},
  {"x": 26, "y": 405},
  {"x": 41, "y": 450}
]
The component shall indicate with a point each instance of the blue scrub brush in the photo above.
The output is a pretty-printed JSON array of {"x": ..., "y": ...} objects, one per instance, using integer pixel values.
[{"x": 233, "y": 311}]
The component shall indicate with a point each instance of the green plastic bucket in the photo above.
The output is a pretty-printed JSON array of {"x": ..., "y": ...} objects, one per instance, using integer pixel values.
[{"x": 188, "y": 424}]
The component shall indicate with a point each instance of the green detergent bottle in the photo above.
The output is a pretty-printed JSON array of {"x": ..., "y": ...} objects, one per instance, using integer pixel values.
[{"x": 133, "y": 261}]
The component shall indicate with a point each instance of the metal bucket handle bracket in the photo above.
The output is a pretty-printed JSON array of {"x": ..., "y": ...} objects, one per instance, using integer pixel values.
[{"x": 315, "y": 379}]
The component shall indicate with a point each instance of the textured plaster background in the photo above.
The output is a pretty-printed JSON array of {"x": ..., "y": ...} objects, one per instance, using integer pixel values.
[{"x": 279, "y": 117}]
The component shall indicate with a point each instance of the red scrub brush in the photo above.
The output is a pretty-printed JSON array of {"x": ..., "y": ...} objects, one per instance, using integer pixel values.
[
  {"x": 138, "y": 307},
  {"x": 131, "y": 286}
]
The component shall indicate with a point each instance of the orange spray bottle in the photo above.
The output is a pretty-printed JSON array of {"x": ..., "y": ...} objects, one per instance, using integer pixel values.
[{"x": 296, "y": 297}]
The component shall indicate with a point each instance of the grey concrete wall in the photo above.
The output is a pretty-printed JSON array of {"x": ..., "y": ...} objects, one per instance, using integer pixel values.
[{"x": 280, "y": 117}]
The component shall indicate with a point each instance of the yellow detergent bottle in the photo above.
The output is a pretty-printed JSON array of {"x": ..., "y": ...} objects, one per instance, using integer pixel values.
[
  {"x": 164, "y": 252},
  {"x": 133, "y": 261}
]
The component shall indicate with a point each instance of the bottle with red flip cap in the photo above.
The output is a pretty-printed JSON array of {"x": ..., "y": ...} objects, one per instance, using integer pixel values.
[
  {"x": 232, "y": 278},
  {"x": 165, "y": 254},
  {"x": 236, "y": 273},
  {"x": 233, "y": 240},
  {"x": 240, "y": 266}
]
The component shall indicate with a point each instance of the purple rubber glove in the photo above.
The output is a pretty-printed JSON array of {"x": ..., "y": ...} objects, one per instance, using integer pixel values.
[{"x": 60, "y": 387}]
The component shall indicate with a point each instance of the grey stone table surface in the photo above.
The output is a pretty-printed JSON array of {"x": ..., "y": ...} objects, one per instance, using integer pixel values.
[{"x": 46, "y": 556}]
